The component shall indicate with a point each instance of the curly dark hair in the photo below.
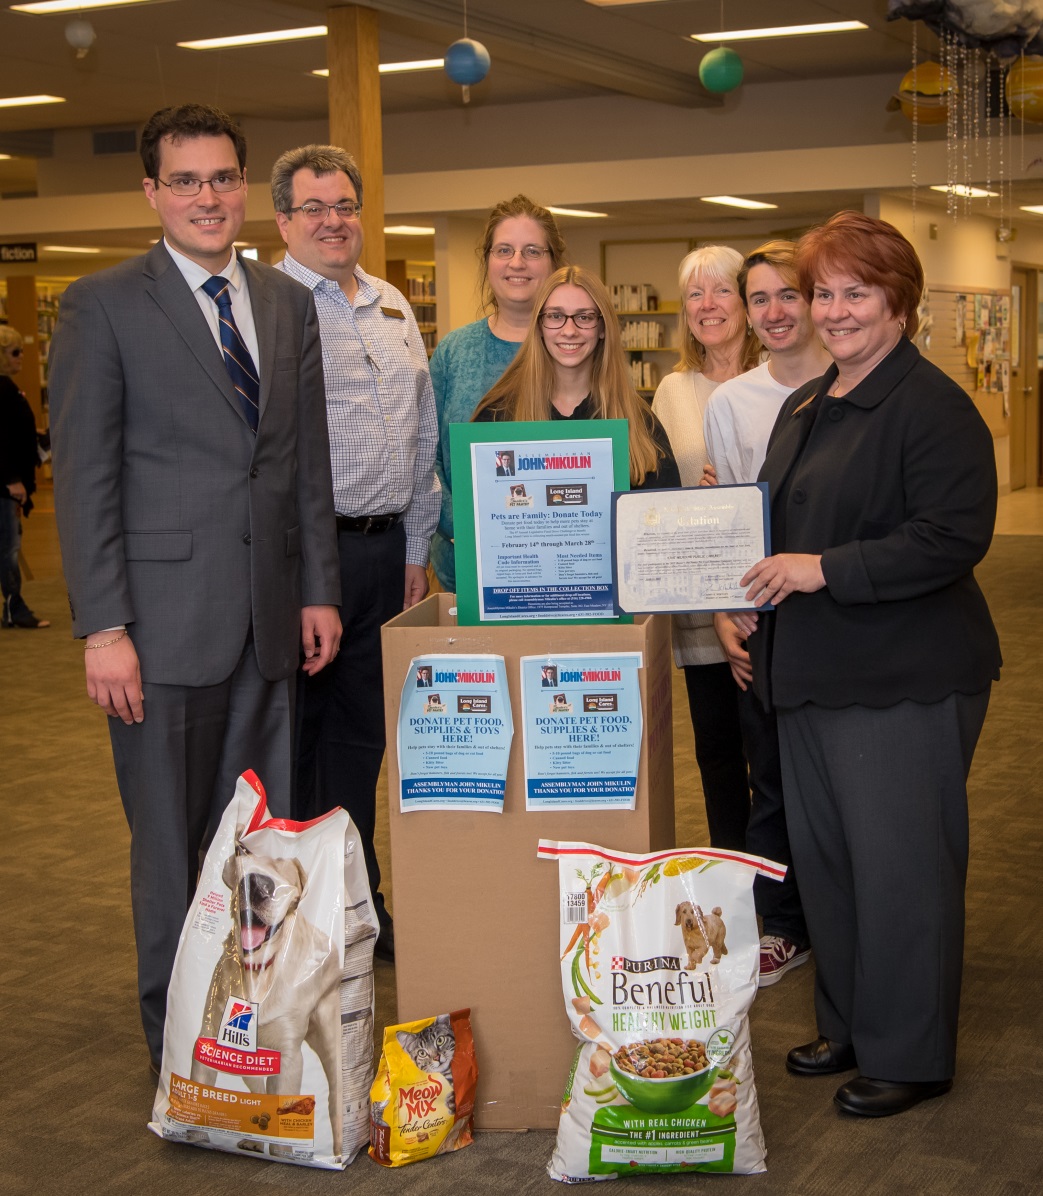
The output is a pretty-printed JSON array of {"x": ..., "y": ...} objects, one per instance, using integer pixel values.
[{"x": 184, "y": 123}]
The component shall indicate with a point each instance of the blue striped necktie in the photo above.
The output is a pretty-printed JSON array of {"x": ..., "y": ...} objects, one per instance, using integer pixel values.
[{"x": 238, "y": 361}]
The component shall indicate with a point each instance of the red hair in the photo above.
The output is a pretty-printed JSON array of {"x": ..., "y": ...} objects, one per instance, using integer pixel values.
[{"x": 870, "y": 250}]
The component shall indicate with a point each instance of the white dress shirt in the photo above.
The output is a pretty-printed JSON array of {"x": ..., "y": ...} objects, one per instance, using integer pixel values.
[{"x": 195, "y": 275}]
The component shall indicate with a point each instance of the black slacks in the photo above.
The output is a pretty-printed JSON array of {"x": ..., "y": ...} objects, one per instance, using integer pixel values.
[
  {"x": 877, "y": 806},
  {"x": 713, "y": 699},
  {"x": 340, "y": 711},
  {"x": 176, "y": 772},
  {"x": 778, "y": 902}
]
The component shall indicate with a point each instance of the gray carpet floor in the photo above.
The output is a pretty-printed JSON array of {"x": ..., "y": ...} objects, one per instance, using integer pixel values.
[{"x": 75, "y": 1092}]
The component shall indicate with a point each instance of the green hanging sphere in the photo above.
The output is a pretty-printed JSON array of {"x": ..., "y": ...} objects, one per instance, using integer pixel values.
[{"x": 720, "y": 70}]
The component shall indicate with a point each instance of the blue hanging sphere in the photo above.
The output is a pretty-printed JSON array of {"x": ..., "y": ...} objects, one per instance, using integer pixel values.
[
  {"x": 467, "y": 62},
  {"x": 720, "y": 70}
]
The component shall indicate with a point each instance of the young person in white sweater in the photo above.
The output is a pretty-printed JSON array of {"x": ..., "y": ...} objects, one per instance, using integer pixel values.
[{"x": 739, "y": 419}]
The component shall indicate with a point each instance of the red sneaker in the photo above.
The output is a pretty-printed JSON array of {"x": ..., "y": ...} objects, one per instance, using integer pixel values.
[{"x": 778, "y": 955}]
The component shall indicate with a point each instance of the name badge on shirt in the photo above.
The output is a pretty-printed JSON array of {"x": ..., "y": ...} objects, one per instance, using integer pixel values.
[{"x": 394, "y": 313}]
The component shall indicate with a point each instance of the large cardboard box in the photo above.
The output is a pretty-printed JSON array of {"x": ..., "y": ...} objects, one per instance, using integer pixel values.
[{"x": 476, "y": 915}]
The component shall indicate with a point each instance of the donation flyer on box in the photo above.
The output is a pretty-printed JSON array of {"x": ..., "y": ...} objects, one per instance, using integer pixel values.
[
  {"x": 581, "y": 717},
  {"x": 543, "y": 511},
  {"x": 454, "y": 734}
]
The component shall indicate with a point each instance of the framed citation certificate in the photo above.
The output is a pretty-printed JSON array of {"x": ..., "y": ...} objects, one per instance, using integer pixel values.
[{"x": 684, "y": 550}]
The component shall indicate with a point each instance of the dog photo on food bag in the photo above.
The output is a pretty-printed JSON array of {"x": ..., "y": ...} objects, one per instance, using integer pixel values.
[
  {"x": 268, "y": 1042},
  {"x": 276, "y": 959}
]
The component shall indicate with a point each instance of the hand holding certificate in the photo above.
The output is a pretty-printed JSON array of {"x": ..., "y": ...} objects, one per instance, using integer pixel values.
[{"x": 688, "y": 550}]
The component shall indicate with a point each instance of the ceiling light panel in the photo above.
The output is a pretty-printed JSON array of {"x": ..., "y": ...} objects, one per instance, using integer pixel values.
[
  {"x": 43, "y": 7},
  {"x": 966, "y": 192},
  {"x": 746, "y": 35},
  {"x": 395, "y": 68},
  {"x": 29, "y": 101},
  {"x": 731, "y": 201},
  {"x": 576, "y": 212},
  {"x": 255, "y": 39}
]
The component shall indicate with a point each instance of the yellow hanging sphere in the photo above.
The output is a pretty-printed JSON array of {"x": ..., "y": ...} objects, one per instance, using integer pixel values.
[
  {"x": 1025, "y": 88},
  {"x": 927, "y": 88}
]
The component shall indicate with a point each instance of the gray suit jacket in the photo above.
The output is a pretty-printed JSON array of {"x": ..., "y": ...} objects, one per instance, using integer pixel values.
[{"x": 174, "y": 518}]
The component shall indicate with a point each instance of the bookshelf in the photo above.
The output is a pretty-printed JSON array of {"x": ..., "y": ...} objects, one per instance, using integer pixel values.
[
  {"x": 416, "y": 280},
  {"x": 649, "y": 332}
]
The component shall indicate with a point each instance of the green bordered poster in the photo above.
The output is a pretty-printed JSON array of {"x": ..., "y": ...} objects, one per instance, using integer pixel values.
[{"x": 532, "y": 509}]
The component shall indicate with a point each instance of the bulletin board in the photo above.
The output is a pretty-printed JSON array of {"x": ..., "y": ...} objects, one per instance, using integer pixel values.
[{"x": 970, "y": 335}]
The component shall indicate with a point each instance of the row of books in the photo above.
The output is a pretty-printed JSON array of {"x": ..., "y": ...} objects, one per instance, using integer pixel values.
[
  {"x": 643, "y": 334},
  {"x": 644, "y": 374},
  {"x": 420, "y": 289},
  {"x": 634, "y": 297}
]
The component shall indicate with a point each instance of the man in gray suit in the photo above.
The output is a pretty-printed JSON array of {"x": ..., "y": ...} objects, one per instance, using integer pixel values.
[{"x": 195, "y": 512}]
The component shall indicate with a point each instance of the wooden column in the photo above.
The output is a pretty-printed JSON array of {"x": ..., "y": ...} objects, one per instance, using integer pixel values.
[
  {"x": 21, "y": 315},
  {"x": 353, "y": 55}
]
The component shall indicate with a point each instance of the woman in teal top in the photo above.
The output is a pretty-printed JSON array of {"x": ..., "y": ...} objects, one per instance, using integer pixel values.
[{"x": 521, "y": 247}]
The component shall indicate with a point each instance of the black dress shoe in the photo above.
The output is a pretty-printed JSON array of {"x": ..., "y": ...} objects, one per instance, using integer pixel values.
[
  {"x": 385, "y": 945},
  {"x": 865, "y": 1097},
  {"x": 823, "y": 1057}
]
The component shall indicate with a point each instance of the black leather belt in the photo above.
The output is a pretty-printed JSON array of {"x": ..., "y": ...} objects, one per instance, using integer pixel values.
[{"x": 368, "y": 525}]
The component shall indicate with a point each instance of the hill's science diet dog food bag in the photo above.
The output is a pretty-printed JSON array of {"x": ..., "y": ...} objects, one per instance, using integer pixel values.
[
  {"x": 268, "y": 1044},
  {"x": 659, "y": 964}
]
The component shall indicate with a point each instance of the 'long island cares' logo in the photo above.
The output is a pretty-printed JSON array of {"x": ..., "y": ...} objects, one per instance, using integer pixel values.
[{"x": 239, "y": 1025}]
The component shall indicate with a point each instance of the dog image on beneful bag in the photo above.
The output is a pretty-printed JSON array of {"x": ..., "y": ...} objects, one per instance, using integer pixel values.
[{"x": 268, "y": 1043}]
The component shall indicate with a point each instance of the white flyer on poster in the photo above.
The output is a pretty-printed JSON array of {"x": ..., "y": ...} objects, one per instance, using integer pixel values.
[
  {"x": 582, "y": 722},
  {"x": 454, "y": 734}
]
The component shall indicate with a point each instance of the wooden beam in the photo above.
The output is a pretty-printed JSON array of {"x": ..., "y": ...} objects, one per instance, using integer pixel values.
[{"x": 353, "y": 56}]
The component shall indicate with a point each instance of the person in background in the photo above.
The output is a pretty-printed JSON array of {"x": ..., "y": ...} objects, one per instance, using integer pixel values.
[
  {"x": 571, "y": 365},
  {"x": 878, "y": 659},
  {"x": 520, "y": 248},
  {"x": 18, "y": 459},
  {"x": 739, "y": 419},
  {"x": 194, "y": 508},
  {"x": 382, "y": 432},
  {"x": 716, "y": 344}
]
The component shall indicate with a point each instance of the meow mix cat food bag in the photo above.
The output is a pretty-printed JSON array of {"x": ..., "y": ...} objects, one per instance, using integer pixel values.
[
  {"x": 422, "y": 1100},
  {"x": 659, "y": 962}
]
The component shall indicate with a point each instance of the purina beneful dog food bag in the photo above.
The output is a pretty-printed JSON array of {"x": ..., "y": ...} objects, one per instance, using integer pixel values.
[
  {"x": 659, "y": 964},
  {"x": 422, "y": 1100},
  {"x": 268, "y": 1043}
]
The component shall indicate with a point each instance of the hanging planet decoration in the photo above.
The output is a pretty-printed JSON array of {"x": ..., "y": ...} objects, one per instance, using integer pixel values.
[
  {"x": 1025, "y": 89},
  {"x": 467, "y": 62},
  {"x": 927, "y": 88},
  {"x": 720, "y": 70},
  {"x": 80, "y": 35}
]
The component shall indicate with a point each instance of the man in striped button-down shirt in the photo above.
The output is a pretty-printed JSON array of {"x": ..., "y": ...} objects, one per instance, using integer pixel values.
[{"x": 383, "y": 433}]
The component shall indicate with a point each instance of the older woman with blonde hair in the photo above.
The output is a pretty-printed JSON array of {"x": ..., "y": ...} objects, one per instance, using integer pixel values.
[
  {"x": 716, "y": 344},
  {"x": 519, "y": 249},
  {"x": 572, "y": 366}
]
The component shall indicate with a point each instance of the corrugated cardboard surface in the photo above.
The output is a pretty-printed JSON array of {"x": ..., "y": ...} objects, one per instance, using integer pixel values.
[{"x": 476, "y": 915}]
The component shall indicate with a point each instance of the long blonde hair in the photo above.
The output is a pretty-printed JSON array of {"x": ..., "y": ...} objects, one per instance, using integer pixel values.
[
  {"x": 713, "y": 263},
  {"x": 525, "y": 390}
]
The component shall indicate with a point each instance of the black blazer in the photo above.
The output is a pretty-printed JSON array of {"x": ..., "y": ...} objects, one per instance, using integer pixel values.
[{"x": 894, "y": 483}]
